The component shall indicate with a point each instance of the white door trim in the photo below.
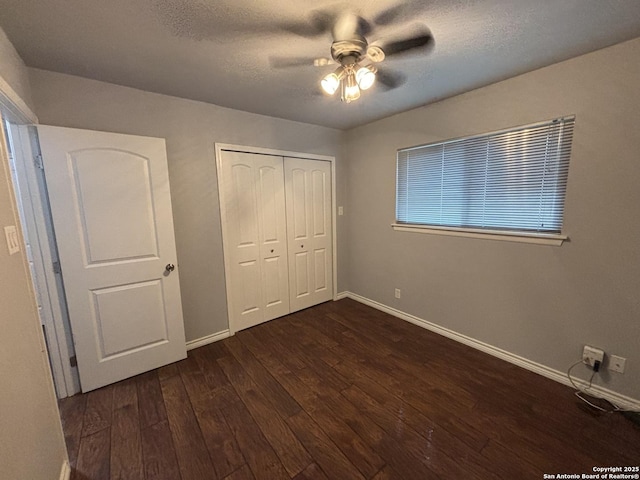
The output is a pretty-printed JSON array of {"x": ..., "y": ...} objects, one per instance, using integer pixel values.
[
  {"x": 38, "y": 235},
  {"x": 221, "y": 147}
]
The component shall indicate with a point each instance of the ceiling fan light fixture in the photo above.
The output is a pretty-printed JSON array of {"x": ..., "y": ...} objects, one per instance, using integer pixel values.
[
  {"x": 366, "y": 76},
  {"x": 331, "y": 82},
  {"x": 350, "y": 89}
]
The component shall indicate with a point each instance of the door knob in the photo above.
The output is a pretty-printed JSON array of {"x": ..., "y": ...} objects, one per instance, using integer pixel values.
[{"x": 170, "y": 267}]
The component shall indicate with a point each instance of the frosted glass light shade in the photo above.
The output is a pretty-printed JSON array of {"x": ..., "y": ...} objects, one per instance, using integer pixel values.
[
  {"x": 330, "y": 83},
  {"x": 350, "y": 91},
  {"x": 365, "y": 77}
]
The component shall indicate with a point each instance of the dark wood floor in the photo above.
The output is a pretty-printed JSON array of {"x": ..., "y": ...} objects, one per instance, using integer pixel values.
[{"x": 339, "y": 391}]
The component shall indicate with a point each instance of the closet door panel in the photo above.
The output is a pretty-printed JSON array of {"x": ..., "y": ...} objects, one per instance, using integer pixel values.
[
  {"x": 320, "y": 266},
  {"x": 300, "y": 275},
  {"x": 273, "y": 228},
  {"x": 308, "y": 203},
  {"x": 255, "y": 238}
]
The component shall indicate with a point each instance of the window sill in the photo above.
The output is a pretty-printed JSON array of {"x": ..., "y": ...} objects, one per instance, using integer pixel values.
[{"x": 521, "y": 237}]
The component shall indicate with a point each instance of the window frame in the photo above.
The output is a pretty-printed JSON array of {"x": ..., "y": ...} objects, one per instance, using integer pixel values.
[{"x": 522, "y": 236}]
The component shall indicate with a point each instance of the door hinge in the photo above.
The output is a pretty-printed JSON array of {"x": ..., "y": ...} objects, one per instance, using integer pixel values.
[
  {"x": 73, "y": 361},
  {"x": 56, "y": 267},
  {"x": 37, "y": 160}
]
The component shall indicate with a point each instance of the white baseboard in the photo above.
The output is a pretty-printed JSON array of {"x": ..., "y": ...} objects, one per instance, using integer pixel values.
[
  {"x": 65, "y": 471},
  {"x": 201, "y": 342},
  {"x": 341, "y": 295},
  {"x": 621, "y": 400}
]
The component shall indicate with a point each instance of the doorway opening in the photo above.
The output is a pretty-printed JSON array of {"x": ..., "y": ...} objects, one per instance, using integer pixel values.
[{"x": 25, "y": 162}]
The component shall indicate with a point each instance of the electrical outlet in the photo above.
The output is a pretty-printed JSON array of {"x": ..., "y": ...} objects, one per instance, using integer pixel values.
[
  {"x": 617, "y": 363},
  {"x": 591, "y": 354},
  {"x": 340, "y": 210},
  {"x": 397, "y": 293}
]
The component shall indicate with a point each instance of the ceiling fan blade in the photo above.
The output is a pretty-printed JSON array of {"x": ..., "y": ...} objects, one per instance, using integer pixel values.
[
  {"x": 364, "y": 27},
  {"x": 319, "y": 23},
  {"x": 401, "y": 12},
  {"x": 420, "y": 41},
  {"x": 389, "y": 15},
  {"x": 389, "y": 79},
  {"x": 292, "y": 62}
]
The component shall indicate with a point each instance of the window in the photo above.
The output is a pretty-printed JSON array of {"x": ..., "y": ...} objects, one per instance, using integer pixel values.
[{"x": 509, "y": 181}]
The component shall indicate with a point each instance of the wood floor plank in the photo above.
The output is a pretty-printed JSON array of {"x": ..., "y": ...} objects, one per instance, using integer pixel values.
[
  {"x": 159, "y": 456},
  {"x": 126, "y": 446},
  {"x": 516, "y": 468},
  {"x": 150, "y": 401},
  {"x": 243, "y": 473},
  {"x": 387, "y": 473},
  {"x": 291, "y": 453},
  {"x": 537, "y": 447},
  {"x": 94, "y": 456},
  {"x": 339, "y": 391},
  {"x": 125, "y": 394},
  {"x": 167, "y": 371},
  {"x": 402, "y": 459},
  {"x": 224, "y": 450},
  {"x": 192, "y": 454},
  {"x": 312, "y": 472},
  {"x": 327, "y": 455},
  {"x": 361, "y": 455},
  {"x": 376, "y": 383},
  {"x": 97, "y": 415},
  {"x": 194, "y": 383},
  {"x": 308, "y": 335},
  {"x": 207, "y": 403},
  {"x": 437, "y": 449},
  {"x": 323, "y": 374},
  {"x": 265, "y": 337},
  {"x": 280, "y": 399},
  {"x": 72, "y": 415},
  {"x": 207, "y": 361},
  {"x": 257, "y": 451},
  {"x": 290, "y": 381},
  {"x": 126, "y": 443}
]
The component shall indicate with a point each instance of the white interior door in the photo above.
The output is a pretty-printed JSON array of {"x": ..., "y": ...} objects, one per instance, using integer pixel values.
[
  {"x": 253, "y": 215},
  {"x": 308, "y": 199},
  {"x": 111, "y": 208}
]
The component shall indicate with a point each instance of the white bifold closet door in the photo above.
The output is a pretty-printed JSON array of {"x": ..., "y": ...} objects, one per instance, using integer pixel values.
[
  {"x": 277, "y": 235},
  {"x": 308, "y": 194},
  {"x": 255, "y": 242}
]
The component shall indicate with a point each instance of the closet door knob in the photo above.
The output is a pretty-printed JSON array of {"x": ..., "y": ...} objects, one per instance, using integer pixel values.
[{"x": 170, "y": 267}]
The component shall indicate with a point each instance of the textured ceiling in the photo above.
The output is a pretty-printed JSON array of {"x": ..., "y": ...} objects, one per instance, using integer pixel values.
[{"x": 218, "y": 51}]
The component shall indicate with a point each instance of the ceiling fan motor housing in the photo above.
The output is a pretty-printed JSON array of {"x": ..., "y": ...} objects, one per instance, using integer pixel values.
[{"x": 343, "y": 49}]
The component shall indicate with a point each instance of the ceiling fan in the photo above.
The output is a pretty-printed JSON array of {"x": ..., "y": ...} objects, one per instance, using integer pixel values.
[{"x": 358, "y": 61}]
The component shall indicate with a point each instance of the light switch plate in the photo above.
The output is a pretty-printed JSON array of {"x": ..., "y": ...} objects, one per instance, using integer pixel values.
[{"x": 12, "y": 239}]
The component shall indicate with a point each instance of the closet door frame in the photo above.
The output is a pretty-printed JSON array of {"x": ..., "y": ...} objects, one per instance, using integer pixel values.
[{"x": 222, "y": 147}]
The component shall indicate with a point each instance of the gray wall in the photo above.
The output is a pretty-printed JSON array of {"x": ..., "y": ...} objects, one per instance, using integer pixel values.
[
  {"x": 14, "y": 71},
  {"x": 190, "y": 129},
  {"x": 31, "y": 441},
  {"x": 540, "y": 302}
]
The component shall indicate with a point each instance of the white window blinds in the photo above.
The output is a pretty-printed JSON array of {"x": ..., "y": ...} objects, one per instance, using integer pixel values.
[{"x": 510, "y": 180}]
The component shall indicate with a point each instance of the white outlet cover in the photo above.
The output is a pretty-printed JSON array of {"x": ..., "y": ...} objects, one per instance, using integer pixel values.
[
  {"x": 617, "y": 363},
  {"x": 13, "y": 243}
]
